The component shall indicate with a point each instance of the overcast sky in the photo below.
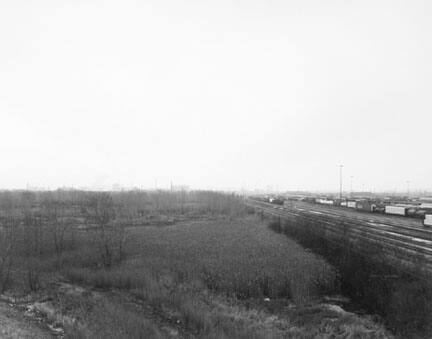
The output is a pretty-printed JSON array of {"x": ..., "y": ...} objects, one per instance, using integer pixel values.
[{"x": 219, "y": 94}]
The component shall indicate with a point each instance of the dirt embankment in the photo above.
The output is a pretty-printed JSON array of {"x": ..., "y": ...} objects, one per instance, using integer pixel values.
[
  {"x": 15, "y": 324},
  {"x": 60, "y": 313}
]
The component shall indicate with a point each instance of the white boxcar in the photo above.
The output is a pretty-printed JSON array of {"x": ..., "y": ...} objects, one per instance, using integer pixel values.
[
  {"x": 397, "y": 210},
  {"x": 324, "y": 201},
  {"x": 426, "y": 205},
  {"x": 427, "y": 220},
  {"x": 352, "y": 204}
]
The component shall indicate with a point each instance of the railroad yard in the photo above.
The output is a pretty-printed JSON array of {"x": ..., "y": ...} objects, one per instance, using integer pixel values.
[
  {"x": 384, "y": 260},
  {"x": 403, "y": 239}
]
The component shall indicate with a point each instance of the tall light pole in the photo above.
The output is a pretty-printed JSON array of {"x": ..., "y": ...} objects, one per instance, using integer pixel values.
[{"x": 340, "y": 181}]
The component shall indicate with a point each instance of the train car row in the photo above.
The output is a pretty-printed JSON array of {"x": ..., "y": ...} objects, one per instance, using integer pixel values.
[
  {"x": 422, "y": 211},
  {"x": 272, "y": 200}
]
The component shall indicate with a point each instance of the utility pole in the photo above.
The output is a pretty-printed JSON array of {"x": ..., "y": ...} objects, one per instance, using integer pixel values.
[
  {"x": 408, "y": 188},
  {"x": 351, "y": 185},
  {"x": 340, "y": 182}
]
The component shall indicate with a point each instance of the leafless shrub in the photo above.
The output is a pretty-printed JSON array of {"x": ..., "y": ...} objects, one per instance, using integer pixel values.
[
  {"x": 108, "y": 235},
  {"x": 8, "y": 239},
  {"x": 57, "y": 225}
]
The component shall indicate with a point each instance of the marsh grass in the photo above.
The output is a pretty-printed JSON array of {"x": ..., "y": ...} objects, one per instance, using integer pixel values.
[
  {"x": 201, "y": 271},
  {"x": 201, "y": 276},
  {"x": 239, "y": 258}
]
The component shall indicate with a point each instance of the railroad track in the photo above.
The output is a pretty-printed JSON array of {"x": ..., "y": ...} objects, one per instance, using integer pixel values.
[
  {"x": 400, "y": 225},
  {"x": 343, "y": 212},
  {"x": 408, "y": 242}
]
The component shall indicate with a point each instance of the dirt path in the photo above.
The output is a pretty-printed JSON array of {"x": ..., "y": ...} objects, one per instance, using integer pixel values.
[
  {"x": 41, "y": 318},
  {"x": 14, "y": 325}
]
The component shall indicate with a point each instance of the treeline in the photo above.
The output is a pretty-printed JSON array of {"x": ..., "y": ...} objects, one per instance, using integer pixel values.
[
  {"x": 42, "y": 228},
  {"x": 135, "y": 201}
]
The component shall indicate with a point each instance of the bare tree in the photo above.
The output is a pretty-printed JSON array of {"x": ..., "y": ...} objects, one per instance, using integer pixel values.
[
  {"x": 8, "y": 242},
  {"x": 57, "y": 224},
  {"x": 108, "y": 235}
]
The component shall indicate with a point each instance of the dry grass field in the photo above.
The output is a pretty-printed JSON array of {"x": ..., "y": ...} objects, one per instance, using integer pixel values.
[
  {"x": 223, "y": 278},
  {"x": 197, "y": 266}
]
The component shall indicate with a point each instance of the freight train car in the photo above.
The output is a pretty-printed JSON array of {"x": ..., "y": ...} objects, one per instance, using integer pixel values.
[
  {"x": 308, "y": 199},
  {"x": 396, "y": 210},
  {"x": 351, "y": 204},
  {"x": 379, "y": 209},
  {"x": 427, "y": 220},
  {"x": 324, "y": 201},
  {"x": 366, "y": 206},
  {"x": 426, "y": 205},
  {"x": 416, "y": 212},
  {"x": 276, "y": 201}
]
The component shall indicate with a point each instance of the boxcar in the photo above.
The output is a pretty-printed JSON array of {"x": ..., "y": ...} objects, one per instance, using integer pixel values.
[
  {"x": 427, "y": 220},
  {"x": 397, "y": 210}
]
